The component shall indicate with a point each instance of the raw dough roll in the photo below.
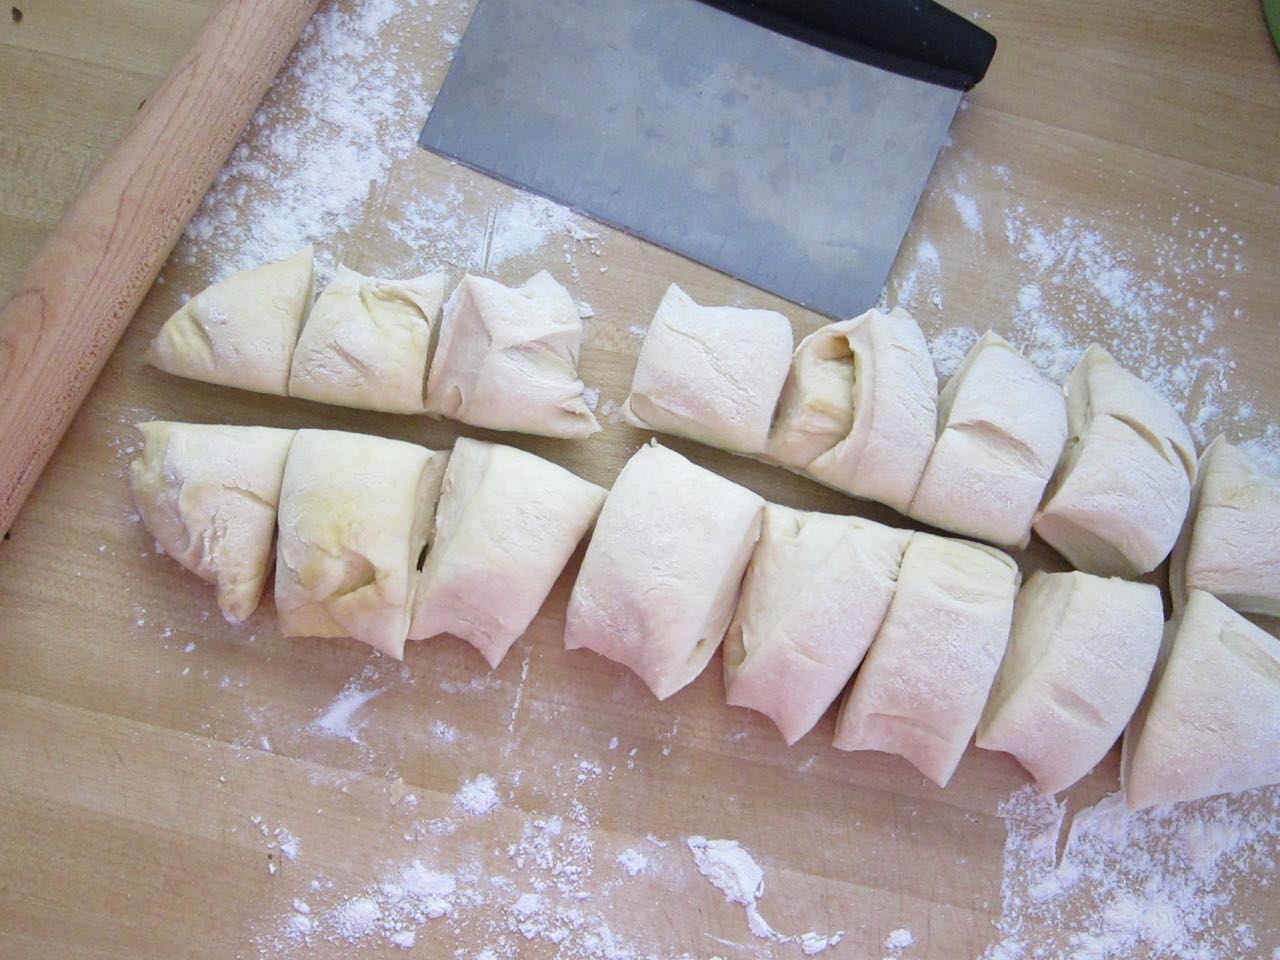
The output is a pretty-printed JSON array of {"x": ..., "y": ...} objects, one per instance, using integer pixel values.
[
  {"x": 355, "y": 514},
  {"x": 1231, "y": 545},
  {"x": 208, "y": 494},
  {"x": 859, "y": 410},
  {"x": 506, "y": 526},
  {"x": 1211, "y": 721},
  {"x": 926, "y": 677},
  {"x": 1079, "y": 658},
  {"x": 1002, "y": 427},
  {"x": 240, "y": 332},
  {"x": 662, "y": 571},
  {"x": 815, "y": 594},
  {"x": 1121, "y": 492},
  {"x": 712, "y": 374},
  {"x": 508, "y": 359},
  {"x": 365, "y": 342}
]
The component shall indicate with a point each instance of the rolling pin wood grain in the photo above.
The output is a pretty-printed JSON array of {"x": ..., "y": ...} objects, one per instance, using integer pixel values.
[{"x": 80, "y": 291}]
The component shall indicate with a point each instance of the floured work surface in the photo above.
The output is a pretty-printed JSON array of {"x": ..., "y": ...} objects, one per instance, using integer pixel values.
[{"x": 175, "y": 786}]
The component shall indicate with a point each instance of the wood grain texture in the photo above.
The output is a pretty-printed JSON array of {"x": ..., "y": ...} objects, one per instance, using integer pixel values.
[
  {"x": 145, "y": 745},
  {"x": 81, "y": 288}
]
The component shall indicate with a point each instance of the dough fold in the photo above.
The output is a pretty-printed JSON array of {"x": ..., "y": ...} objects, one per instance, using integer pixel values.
[
  {"x": 366, "y": 342},
  {"x": 507, "y": 524},
  {"x": 923, "y": 684},
  {"x": 241, "y": 331},
  {"x": 662, "y": 572},
  {"x": 1120, "y": 494},
  {"x": 208, "y": 494},
  {"x": 356, "y": 512},
  {"x": 508, "y": 359},
  {"x": 814, "y": 596},
  {"x": 712, "y": 374},
  {"x": 1079, "y": 658}
]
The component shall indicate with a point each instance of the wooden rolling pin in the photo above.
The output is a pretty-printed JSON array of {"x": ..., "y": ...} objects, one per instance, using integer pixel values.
[{"x": 78, "y": 294}]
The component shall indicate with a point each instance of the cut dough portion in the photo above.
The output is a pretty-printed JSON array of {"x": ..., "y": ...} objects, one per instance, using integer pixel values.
[
  {"x": 208, "y": 494},
  {"x": 508, "y": 359},
  {"x": 1121, "y": 492},
  {"x": 1002, "y": 427},
  {"x": 1210, "y": 723},
  {"x": 661, "y": 575},
  {"x": 859, "y": 411},
  {"x": 241, "y": 331},
  {"x": 366, "y": 342},
  {"x": 814, "y": 597},
  {"x": 355, "y": 514},
  {"x": 712, "y": 374},
  {"x": 1232, "y": 547},
  {"x": 1079, "y": 659},
  {"x": 507, "y": 524},
  {"x": 922, "y": 687}
]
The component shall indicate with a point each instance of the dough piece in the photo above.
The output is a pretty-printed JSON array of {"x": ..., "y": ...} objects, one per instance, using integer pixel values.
[
  {"x": 507, "y": 524},
  {"x": 814, "y": 597},
  {"x": 1233, "y": 540},
  {"x": 1210, "y": 723},
  {"x": 508, "y": 359},
  {"x": 366, "y": 342},
  {"x": 208, "y": 494},
  {"x": 922, "y": 687},
  {"x": 1079, "y": 659},
  {"x": 859, "y": 411},
  {"x": 1121, "y": 492},
  {"x": 241, "y": 331},
  {"x": 661, "y": 575},
  {"x": 355, "y": 514},
  {"x": 712, "y": 374},
  {"x": 1002, "y": 427}
]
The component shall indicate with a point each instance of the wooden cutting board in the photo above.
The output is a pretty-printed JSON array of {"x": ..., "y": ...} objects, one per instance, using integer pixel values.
[{"x": 174, "y": 786}]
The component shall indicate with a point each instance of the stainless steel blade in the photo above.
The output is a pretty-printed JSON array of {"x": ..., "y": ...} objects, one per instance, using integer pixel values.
[{"x": 789, "y": 167}]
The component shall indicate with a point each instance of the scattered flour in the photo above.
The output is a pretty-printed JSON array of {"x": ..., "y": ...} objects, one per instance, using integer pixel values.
[
  {"x": 478, "y": 796},
  {"x": 899, "y": 939},
  {"x": 633, "y": 861},
  {"x": 336, "y": 721}
]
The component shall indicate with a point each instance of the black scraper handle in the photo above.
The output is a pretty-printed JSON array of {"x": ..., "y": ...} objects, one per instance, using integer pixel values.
[{"x": 916, "y": 38}]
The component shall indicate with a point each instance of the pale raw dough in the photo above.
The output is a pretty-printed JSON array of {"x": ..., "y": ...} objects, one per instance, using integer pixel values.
[
  {"x": 712, "y": 374},
  {"x": 366, "y": 342},
  {"x": 1231, "y": 544},
  {"x": 1002, "y": 427},
  {"x": 208, "y": 494},
  {"x": 1079, "y": 658},
  {"x": 356, "y": 512},
  {"x": 1121, "y": 492},
  {"x": 661, "y": 574},
  {"x": 1211, "y": 721},
  {"x": 507, "y": 524},
  {"x": 859, "y": 410},
  {"x": 508, "y": 359},
  {"x": 814, "y": 596},
  {"x": 924, "y": 681},
  {"x": 241, "y": 331}
]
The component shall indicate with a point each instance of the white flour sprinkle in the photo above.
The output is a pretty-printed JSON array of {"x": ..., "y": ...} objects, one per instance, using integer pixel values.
[
  {"x": 479, "y": 796},
  {"x": 336, "y": 721},
  {"x": 967, "y": 207},
  {"x": 633, "y": 861},
  {"x": 899, "y": 939}
]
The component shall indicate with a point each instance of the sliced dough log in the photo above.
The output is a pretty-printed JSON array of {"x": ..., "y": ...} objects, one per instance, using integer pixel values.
[
  {"x": 1210, "y": 723},
  {"x": 1121, "y": 492},
  {"x": 508, "y": 359},
  {"x": 814, "y": 596},
  {"x": 859, "y": 409},
  {"x": 366, "y": 342},
  {"x": 1231, "y": 545},
  {"x": 1079, "y": 658},
  {"x": 712, "y": 374},
  {"x": 208, "y": 494},
  {"x": 507, "y": 524},
  {"x": 356, "y": 512},
  {"x": 922, "y": 687},
  {"x": 241, "y": 331},
  {"x": 661, "y": 574},
  {"x": 1002, "y": 427}
]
